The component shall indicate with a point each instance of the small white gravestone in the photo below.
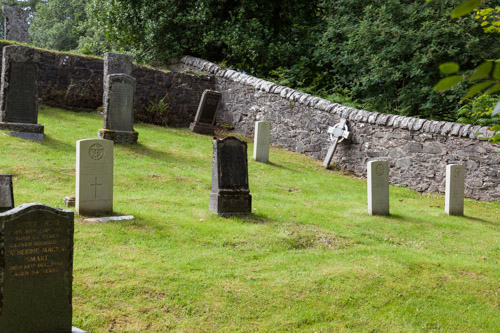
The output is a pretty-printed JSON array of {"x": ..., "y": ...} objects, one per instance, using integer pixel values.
[
  {"x": 338, "y": 133},
  {"x": 261, "y": 141},
  {"x": 454, "y": 197},
  {"x": 378, "y": 188},
  {"x": 94, "y": 177}
]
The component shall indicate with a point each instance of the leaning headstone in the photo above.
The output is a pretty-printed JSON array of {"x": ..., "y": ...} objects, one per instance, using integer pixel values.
[
  {"x": 205, "y": 115},
  {"x": 230, "y": 193},
  {"x": 36, "y": 269},
  {"x": 119, "y": 110},
  {"x": 378, "y": 188},
  {"x": 261, "y": 141},
  {"x": 16, "y": 23},
  {"x": 338, "y": 133},
  {"x": 116, "y": 63},
  {"x": 6, "y": 193},
  {"x": 19, "y": 92},
  {"x": 454, "y": 196},
  {"x": 94, "y": 177}
]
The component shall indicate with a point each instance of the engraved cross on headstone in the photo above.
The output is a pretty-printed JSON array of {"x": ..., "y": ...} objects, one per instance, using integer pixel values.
[
  {"x": 338, "y": 133},
  {"x": 95, "y": 187}
]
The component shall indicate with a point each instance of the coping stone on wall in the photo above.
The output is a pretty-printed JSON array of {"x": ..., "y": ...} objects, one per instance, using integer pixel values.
[
  {"x": 464, "y": 131},
  {"x": 455, "y": 129},
  {"x": 418, "y": 124},
  {"x": 372, "y": 118},
  {"x": 382, "y": 119}
]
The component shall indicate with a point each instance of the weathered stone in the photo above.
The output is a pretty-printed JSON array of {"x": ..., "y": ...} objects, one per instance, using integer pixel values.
[
  {"x": 207, "y": 112},
  {"x": 378, "y": 188},
  {"x": 454, "y": 198},
  {"x": 16, "y": 23},
  {"x": 262, "y": 141},
  {"x": 6, "y": 193},
  {"x": 116, "y": 63}
]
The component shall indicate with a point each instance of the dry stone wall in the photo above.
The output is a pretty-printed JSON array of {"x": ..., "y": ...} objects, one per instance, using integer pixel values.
[{"x": 417, "y": 150}]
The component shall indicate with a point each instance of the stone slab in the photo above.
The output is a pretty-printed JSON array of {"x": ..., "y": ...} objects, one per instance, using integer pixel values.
[
  {"x": 16, "y": 23},
  {"x": 109, "y": 219},
  {"x": 378, "y": 188},
  {"x": 28, "y": 136},
  {"x": 206, "y": 113},
  {"x": 6, "y": 193},
  {"x": 19, "y": 127},
  {"x": 116, "y": 63},
  {"x": 94, "y": 177},
  {"x": 119, "y": 103},
  {"x": 37, "y": 269},
  {"x": 69, "y": 201},
  {"x": 455, "y": 186},
  {"x": 118, "y": 136},
  {"x": 262, "y": 140}
]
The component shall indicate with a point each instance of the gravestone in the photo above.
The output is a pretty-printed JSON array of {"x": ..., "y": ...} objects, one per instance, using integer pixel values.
[
  {"x": 338, "y": 133},
  {"x": 16, "y": 23},
  {"x": 94, "y": 177},
  {"x": 378, "y": 188},
  {"x": 116, "y": 63},
  {"x": 454, "y": 196},
  {"x": 19, "y": 92},
  {"x": 230, "y": 193},
  {"x": 261, "y": 141},
  {"x": 119, "y": 110},
  {"x": 36, "y": 269},
  {"x": 6, "y": 193},
  {"x": 207, "y": 111}
]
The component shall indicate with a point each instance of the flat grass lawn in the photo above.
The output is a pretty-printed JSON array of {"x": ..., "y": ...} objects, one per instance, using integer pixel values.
[{"x": 309, "y": 258}]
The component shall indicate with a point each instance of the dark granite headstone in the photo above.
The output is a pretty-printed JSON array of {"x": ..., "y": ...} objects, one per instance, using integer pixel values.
[
  {"x": 6, "y": 193},
  {"x": 207, "y": 111},
  {"x": 230, "y": 193},
  {"x": 36, "y": 269}
]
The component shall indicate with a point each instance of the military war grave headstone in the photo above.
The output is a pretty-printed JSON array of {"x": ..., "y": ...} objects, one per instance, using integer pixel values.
[
  {"x": 204, "y": 120},
  {"x": 378, "y": 188},
  {"x": 6, "y": 193},
  {"x": 230, "y": 193},
  {"x": 19, "y": 92},
  {"x": 455, "y": 186},
  {"x": 261, "y": 141},
  {"x": 36, "y": 270},
  {"x": 94, "y": 177}
]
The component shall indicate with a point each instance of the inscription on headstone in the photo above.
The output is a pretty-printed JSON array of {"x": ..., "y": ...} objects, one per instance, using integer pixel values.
[
  {"x": 378, "y": 188},
  {"x": 261, "y": 141},
  {"x": 36, "y": 269},
  {"x": 230, "y": 193},
  {"x": 94, "y": 177},
  {"x": 455, "y": 186},
  {"x": 207, "y": 111},
  {"x": 6, "y": 193}
]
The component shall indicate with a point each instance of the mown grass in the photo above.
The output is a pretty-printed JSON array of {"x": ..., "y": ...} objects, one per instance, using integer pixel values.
[{"x": 309, "y": 258}]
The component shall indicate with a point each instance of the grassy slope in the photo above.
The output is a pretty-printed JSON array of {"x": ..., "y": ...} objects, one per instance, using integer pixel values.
[{"x": 309, "y": 259}]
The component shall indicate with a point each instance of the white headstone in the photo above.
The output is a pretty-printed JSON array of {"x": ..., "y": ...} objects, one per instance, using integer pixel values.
[
  {"x": 261, "y": 141},
  {"x": 94, "y": 177},
  {"x": 454, "y": 197},
  {"x": 378, "y": 188}
]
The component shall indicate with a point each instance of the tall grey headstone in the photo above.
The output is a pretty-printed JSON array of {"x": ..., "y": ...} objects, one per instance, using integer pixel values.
[
  {"x": 116, "y": 63},
  {"x": 16, "y": 23},
  {"x": 204, "y": 120},
  {"x": 19, "y": 91},
  {"x": 36, "y": 269},
  {"x": 119, "y": 109},
  {"x": 454, "y": 196},
  {"x": 6, "y": 193},
  {"x": 378, "y": 188},
  {"x": 261, "y": 141},
  {"x": 230, "y": 193},
  {"x": 94, "y": 177}
]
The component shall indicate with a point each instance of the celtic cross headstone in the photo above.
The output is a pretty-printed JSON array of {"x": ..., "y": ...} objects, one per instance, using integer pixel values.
[{"x": 338, "y": 133}]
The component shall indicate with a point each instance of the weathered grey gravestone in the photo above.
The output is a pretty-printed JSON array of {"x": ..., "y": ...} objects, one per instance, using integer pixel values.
[
  {"x": 207, "y": 110},
  {"x": 261, "y": 141},
  {"x": 6, "y": 193},
  {"x": 119, "y": 109},
  {"x": 36, "y": 269},
  {"x": 378, "y": 188},
  {"x": 338, "y": 133},
  {"x": 116, "y": 63},
  {"x": 230, "y": 194},
  {"x": 454, "y": 196},
  {"x": 19, "y": 92},
  {"x": 94, "y": 177},
  {"x": 16, "y": 23}
]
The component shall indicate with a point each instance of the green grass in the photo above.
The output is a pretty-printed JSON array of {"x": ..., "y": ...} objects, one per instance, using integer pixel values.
[{"x": 309, "y": 258}]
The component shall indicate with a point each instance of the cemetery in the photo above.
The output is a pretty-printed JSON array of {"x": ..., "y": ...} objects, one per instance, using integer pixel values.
[{"x": 198, "y": 198}]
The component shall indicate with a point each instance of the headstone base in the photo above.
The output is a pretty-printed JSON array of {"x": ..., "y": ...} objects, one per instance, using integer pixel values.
[
  {"x": 118, "y": 136},
  {"x": 202, "y": 128},
  {"x": 230, "y": 204},
  {"x": 25, "y": 131},
  {"x": 28, "y": 136},
  {"x": 77, "y": 330},
  {"x": 69, "y": 201}
]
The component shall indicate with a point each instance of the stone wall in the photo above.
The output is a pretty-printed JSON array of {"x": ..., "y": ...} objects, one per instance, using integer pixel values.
[
  {"x": 76, "y": 83},
  {"x": 417, "y": 150}
]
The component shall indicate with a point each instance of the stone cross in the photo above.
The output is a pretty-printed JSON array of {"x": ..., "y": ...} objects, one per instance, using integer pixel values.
[
  {"x": 94, "y": 177},
  {"x": 454, "y": 196},
  {"x": 261, "y": 141},
  {"x": 6, "y": 193},
  {"x": 230, "y": 194},
  {"x": 36, "y": 269},
  {"x": 378, "y": 188},
  {"x": 16, "y": 23},
  {"x": 338, "y": 133}
]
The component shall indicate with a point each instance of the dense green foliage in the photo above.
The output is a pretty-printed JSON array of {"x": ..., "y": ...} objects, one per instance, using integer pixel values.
[{"x": 381, "y": 54}]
